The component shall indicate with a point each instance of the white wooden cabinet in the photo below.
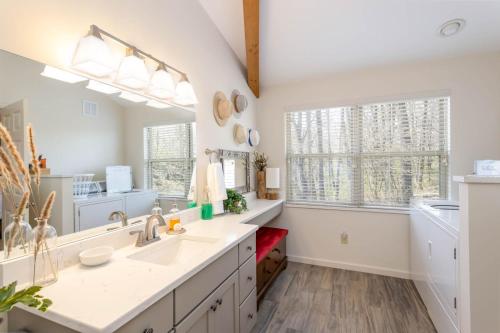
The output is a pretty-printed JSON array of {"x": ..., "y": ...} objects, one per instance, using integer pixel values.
[
  {"x": 434, "y": 267},
  {"x": 94, "y": 211},
  {"x": 95, "y": 214},
  {"x": 217, "y": 313}
]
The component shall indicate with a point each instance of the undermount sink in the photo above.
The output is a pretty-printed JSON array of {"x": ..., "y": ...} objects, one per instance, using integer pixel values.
[{"x": 174, "y": 251}]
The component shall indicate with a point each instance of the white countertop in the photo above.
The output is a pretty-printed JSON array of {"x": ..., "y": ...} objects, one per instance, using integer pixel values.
[
  {"x": 103, "y": 298},
  {"x": 477, "y": 179},
  {"x": 449, "y": 219}
]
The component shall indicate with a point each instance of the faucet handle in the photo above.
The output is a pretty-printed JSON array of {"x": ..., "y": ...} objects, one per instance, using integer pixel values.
[{"x": 140, "y": 236}]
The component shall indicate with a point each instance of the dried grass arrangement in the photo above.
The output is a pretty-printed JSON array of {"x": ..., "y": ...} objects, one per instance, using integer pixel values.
[{"x": 19, "y": 194}]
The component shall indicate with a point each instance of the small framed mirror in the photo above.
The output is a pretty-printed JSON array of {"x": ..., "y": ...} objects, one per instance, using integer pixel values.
[{"x": 236, "y": 166}]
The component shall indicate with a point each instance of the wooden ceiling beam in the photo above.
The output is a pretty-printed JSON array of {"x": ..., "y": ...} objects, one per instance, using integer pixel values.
[{"x": 251, "y": 18}]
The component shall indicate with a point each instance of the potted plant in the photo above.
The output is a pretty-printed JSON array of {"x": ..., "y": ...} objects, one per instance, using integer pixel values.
[
  {"x": 28, "y": 296},
  {"x": 235, "y": 202},
  {"x": 260, "y": 164}
]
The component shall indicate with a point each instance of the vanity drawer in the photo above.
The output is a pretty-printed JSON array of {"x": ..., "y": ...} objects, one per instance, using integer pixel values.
[
  {"x": 248, "y": 312},
  {"x": 192, "y": 292},
  {"x": 246, "y": 248},
  {"x": 248, "y": 276}
]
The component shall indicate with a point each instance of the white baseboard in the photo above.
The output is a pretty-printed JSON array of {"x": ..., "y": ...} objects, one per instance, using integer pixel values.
[{"x": 351, "y": 266}]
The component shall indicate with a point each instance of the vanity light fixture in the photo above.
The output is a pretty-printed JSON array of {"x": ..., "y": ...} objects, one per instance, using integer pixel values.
[
  {"x": 102, "y": 87},
  {"x": 133, "y": 72},
  {"x": 157, "y": 105},
  {"x": 184, "y": 92},
  {"x": 162, "y": 84},
  {"x": 93, "y": 55},
  {"x": 132, "y": 97},
  {"x": 61, "y": 75}
]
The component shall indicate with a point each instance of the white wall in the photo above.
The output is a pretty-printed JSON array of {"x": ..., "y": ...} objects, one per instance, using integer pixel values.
[
  {"x": 178, "y": 31},
  {"x": 71, "y": 142},
  {"x": 377, "y": 239}
]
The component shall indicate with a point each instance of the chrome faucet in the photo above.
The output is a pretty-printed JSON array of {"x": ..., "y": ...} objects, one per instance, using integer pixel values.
[
  {"x": 150, "y": 233},
  {"x": 121, "y": 215}
]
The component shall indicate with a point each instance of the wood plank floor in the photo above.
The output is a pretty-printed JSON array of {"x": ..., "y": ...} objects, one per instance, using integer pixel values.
[{"x": 310, "y": 299}]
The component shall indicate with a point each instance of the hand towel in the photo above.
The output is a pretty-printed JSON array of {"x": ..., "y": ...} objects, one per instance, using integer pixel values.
[{"x": 216, "y": 187}]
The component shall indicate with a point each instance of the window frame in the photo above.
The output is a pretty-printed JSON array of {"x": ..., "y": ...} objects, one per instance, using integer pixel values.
[{"x": 357, "y": 184}]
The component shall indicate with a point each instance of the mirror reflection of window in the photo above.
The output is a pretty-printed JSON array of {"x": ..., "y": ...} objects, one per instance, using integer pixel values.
[
  {"x": 234, "y": 173},
  {"x": 229, "y": 173},
  {"x": 169, "y": 158}
]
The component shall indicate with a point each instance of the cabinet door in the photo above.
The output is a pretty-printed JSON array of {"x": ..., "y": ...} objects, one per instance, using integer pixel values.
[
  {"x": 139, "y": 204},
  {"x": 442, "y": 264},
  {"x": 227, "y": 312},
  {"x": 95, "y": 214},
  {"x": 221, "y": 305}
]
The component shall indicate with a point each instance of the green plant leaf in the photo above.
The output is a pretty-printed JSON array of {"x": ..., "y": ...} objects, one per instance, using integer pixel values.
[{"x": 28, "y": 296}]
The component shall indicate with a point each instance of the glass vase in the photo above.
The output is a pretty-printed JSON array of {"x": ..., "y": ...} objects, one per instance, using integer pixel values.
[
  {"x": 16, "y": 237},
  {"x": 45, "y": 259}
]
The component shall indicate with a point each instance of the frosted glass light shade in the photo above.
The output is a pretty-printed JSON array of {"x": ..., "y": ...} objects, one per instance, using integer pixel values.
[
  {"x": 184, "y": 93},
  {"x": 273, "y": 178},
  {"x": 133, "y": 72},
  {"x": 59, "y": 74},
  {"x": 161, "y": 84},
  {"x": 93, "y": 56}
]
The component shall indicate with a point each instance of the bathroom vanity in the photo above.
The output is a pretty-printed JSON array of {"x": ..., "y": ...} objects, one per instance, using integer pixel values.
[
  {"x": 220, "y": 297},
  {"x": 200, "y": 281}
]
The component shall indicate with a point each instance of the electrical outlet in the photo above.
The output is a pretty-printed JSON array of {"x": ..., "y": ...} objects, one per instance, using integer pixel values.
[{"x": 344, "y": 238}]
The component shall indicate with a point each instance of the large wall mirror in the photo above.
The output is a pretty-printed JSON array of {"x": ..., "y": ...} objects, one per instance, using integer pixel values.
[{"x": 101, "y": 153}]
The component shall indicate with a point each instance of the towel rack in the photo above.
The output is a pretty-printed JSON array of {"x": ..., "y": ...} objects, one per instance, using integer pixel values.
[{"x": 210, "y": 153}]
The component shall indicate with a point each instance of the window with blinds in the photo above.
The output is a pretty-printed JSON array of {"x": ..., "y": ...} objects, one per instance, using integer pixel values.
[
  {"x": 169, "y": 158},
  {"x": 380, "y": 154}
]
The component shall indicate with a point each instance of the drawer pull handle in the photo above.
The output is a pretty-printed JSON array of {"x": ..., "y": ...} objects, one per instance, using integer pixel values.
[
  {"x": 213, "y": 307},
  {"x": 249, "y": 248},
  {"x": 268, "y": 271},
  {"x": 277, "y": 250},
  {"x": 250, "y": 316},
  {"x": 249, "y": 278},
  {"x": 219, "y": 301},
  {"x": 148, "y": 330}
]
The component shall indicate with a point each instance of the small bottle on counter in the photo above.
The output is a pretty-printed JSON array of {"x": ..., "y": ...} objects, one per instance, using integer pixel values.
[
  {"x": 174, "y": 217},
  {"x": 157, "y": 209}
]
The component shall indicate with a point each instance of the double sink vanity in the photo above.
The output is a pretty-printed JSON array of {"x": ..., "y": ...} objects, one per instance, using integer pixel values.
[{"x": 201, "y": 281}]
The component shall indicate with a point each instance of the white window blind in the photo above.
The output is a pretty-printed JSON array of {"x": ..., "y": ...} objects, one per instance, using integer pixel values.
[
  {"x": 379, "y": 154},
  {"x": 169, "y": 158}
]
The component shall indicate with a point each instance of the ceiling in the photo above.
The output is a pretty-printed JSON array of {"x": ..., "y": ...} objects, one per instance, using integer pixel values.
[{"x": 302, "y": 39}]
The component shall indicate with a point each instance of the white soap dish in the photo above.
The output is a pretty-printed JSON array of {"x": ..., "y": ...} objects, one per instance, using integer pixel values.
[{"x": 96, "y": 256}]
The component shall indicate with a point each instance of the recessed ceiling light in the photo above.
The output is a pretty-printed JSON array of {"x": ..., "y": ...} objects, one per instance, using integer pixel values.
[
  {"x": 451, "y": 27},
  {"x": 59, "y": 74},
  {"x": 132, "y": 97},
  {"x": 102, "y": 87},
  {"x": 158, "y": 105}
]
